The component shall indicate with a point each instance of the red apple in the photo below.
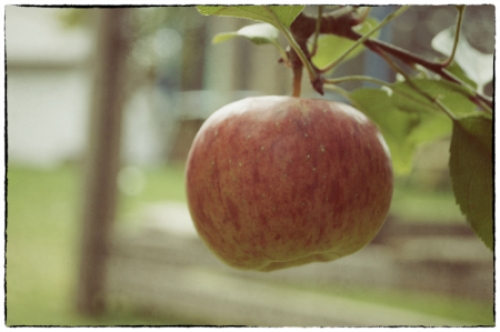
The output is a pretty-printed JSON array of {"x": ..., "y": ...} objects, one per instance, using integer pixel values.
[{"x": 274, "y": 182}]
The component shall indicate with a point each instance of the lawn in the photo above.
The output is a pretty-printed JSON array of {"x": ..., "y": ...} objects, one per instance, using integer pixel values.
[{"x": 43, "y": 240}]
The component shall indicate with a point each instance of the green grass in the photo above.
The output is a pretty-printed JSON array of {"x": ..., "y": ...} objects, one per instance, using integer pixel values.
[
  {"x": 43, "y": 230},
  {"x": 42, "y": 245}
]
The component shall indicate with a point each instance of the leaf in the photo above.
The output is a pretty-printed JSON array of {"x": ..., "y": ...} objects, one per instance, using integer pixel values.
[
  {"x": 477, "y": 66},
  {"x": 452, "y": 95},
  {"x": 285, "y": 14},
  {"x": 223, "y": 36},
  {"x": 260, "y": 33},
  {"x": 331, "y": 47},
  {"x": 407, "y": 119},
  {"x": 471, "y": 172},
  {"x": 455, "y": 69},
  {"x": 394, "y": 125}
]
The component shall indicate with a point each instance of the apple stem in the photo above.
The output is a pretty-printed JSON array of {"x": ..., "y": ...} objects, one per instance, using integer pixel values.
[{"x": 297, "y": 81}]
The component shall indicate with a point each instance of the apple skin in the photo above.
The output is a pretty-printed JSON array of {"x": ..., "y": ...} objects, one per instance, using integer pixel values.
[{"x": 275, "y": 181}]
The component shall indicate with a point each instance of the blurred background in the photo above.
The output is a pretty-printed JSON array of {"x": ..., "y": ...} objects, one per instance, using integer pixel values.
[{"x": 425, "y": 267}]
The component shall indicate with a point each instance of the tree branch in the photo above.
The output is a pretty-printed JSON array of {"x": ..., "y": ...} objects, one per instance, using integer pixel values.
[{"x": 304, "y": 26}]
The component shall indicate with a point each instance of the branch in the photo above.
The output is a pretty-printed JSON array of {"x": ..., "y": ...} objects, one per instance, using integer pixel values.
[
  {"x": 378, "y": 47},
  {"x": 304, "y": 26}
]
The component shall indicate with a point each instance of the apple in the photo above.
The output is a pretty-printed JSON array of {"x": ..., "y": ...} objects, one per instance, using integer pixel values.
[{"x": 275, "y": 181}]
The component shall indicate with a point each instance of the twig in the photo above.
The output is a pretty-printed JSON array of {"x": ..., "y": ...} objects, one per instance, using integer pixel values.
[
  {"x": 356, "y": 78},
  {"x": 339, "y": 90},
  {"x": 408, "y": 80},
  {"x": 361, "y": 40},
  {"x": 448, "y": 61},
  {"x": 316, "y": 32}
]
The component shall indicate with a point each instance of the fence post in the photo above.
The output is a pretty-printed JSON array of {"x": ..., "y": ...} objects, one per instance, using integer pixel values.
[{"x": 103, "y": 158}]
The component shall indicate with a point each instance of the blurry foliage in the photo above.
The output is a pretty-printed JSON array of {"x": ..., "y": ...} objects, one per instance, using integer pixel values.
[
  {"x": 480, "y": 32},
  {"x": 74, "y": 17},
  {"x": 162, "y": 42}
]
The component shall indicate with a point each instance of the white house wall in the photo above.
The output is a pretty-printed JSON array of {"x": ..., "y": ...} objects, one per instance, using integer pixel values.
[{"x": 48, "y": 88}]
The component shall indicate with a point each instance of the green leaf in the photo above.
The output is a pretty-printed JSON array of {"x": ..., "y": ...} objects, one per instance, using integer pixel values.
[
  {"x": 285, "y": 14},
  {"x": 408, "y": 119},
  {"x": 475, "y": 64},
  {"x": 331, "y": 47},
  {"x": 260, "y": 33},
  {"x": 394, "y": 125},
  {"x": 452, "y": 95},
  {"x": 223, "y": 36},
  {"x": 455, "y": 69},
  {"x": 471, "y": 172}
]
